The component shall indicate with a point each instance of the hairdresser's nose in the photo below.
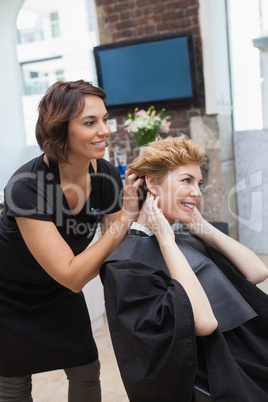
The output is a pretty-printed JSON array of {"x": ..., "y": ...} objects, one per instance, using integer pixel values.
[{"x": 104, "y": 128}]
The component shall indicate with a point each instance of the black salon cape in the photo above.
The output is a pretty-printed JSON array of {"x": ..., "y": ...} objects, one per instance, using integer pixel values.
[{"x": 152, "y": 330}]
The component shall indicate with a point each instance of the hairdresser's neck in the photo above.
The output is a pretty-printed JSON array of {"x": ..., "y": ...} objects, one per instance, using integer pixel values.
[{"x": 77, "y": 168}]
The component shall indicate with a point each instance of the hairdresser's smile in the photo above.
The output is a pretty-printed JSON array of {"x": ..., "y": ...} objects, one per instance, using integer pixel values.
[
  {"x": 88, "y": 133},
  {"x": 180, "y": 192},
  {"x": 100, "y": 144}
]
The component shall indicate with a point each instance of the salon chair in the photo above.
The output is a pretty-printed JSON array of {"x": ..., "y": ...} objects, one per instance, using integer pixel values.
[
  {"x": 222, "y": 226},
  {"x": 201, "y": 389}
]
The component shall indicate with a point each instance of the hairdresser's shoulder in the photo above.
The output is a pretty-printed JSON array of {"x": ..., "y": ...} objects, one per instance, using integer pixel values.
[
  {"x": 104, "y": 166},
  {"x": 29, "y": 168}
]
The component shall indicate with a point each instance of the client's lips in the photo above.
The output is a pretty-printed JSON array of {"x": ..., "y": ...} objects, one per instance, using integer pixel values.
[{"x": 188, "y": 205}]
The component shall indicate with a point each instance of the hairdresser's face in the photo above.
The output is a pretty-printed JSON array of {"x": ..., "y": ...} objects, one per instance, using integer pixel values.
[
  {"x": 179, "y": 193},
  {"x": 88, "y": 133}
]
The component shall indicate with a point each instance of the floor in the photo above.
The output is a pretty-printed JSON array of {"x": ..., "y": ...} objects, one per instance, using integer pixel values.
[{"x": 52, "y": 386}]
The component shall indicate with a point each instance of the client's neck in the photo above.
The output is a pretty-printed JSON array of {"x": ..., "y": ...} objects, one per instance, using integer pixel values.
[{"x": 142, "y": 218}]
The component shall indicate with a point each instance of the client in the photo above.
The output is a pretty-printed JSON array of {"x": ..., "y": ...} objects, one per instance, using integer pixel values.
[{"x": 183, "y": 303}]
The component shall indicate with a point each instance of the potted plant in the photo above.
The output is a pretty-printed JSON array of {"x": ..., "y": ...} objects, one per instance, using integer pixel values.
[{"x": 146, "y": 125}]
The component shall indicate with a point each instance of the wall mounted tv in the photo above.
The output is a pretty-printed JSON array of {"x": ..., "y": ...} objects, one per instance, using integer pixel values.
[{"x": 159, "y": 70}]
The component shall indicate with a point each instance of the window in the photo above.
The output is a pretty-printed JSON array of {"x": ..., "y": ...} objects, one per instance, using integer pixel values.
[
  {"x": 55, "y": 24},
  {"x": 34, "y": 82},
  {"x": 38, "y": 75},
  {"x": 51, "y": 50},
  {"x": 30, "y": 27},
  {"x": 248, "y": 34},
  {"x": 60, "y": 75}
]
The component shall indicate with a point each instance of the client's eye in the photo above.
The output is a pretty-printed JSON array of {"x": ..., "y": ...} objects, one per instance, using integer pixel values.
[{"x": 187, "y": 180}]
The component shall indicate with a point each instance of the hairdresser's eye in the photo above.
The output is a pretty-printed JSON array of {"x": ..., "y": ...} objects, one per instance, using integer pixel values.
[{"x": 89, "y": 123}]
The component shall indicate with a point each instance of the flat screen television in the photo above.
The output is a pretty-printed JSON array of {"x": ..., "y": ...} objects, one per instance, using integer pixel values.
[{"x": 158, "y": 70}]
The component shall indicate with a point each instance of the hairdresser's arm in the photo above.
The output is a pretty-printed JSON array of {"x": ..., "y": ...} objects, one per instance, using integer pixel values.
[
  {"x": 243, "y": 258},
  {"x": 56, "y": 257},
  {"x": 107, "y": 220},
  {"x": 179, "y": 268}
]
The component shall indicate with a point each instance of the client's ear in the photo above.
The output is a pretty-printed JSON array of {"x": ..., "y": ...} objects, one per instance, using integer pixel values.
[{"x": 151, "y": 184}]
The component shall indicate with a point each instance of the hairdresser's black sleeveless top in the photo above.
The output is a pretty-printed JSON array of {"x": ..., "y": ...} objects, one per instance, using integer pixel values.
[{"x": 43, "y": 325}]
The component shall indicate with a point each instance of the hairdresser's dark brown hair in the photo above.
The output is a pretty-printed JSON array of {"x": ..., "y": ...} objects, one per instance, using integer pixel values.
[{"x": 62, "y": 102}]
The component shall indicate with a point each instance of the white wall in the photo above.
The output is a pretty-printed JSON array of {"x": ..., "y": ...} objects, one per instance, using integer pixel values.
[
  {"x": 94, "y": 295},
  {"x": 251, "y": 149},
  {"x": 12, "y": 138}
]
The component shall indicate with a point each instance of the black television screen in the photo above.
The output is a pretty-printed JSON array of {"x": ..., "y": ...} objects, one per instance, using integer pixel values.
[{"x": 157, "y": 70}]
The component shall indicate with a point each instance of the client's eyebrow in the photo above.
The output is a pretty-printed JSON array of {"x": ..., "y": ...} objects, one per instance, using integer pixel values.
[
  {"x": 187, "y": 174},
  {"x": 191, "y": 176}
]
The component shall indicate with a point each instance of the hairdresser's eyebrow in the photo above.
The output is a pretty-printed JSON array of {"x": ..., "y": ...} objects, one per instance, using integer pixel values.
[{"x": 94, "y": 117}]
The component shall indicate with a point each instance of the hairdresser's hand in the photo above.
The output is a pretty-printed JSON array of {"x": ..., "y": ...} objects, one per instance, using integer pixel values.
[
  {"x": 130, "y": 206},
  {"x": 157, "y": 221}
]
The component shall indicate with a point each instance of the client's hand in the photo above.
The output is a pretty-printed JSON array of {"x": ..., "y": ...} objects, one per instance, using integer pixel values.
[
  {"x": 157, "y": 221},
  {"x": 199, "y": 225}
]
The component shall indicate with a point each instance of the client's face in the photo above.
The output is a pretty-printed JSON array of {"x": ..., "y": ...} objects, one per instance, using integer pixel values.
[{"x": 179, "y": 193}]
